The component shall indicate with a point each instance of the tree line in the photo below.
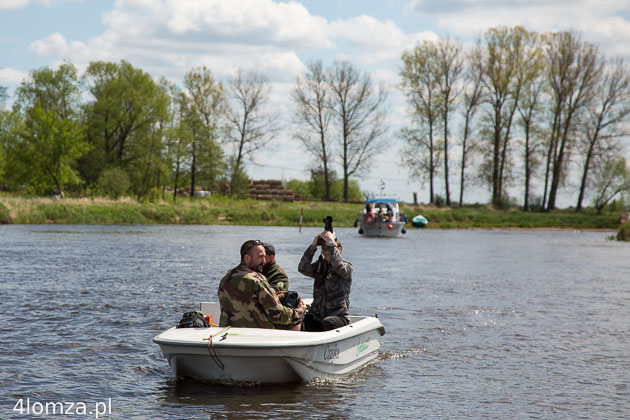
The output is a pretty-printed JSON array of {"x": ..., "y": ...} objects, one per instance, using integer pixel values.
[
  {"x": 521, "y": 107},
  {"x": 115, "y": 130},
  {"x": 515, "y": 108}
]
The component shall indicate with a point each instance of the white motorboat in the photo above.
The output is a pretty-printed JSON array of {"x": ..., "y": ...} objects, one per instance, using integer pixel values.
[
  {"x": 381, "y": 216},
  {"x": 266, "y": 355}
]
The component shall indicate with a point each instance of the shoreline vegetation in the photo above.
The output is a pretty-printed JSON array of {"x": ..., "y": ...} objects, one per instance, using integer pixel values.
[{"x": 220, "y": 210}]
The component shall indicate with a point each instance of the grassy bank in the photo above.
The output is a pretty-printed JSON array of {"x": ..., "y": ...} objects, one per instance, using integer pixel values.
[{"x": 226, "y": 211}]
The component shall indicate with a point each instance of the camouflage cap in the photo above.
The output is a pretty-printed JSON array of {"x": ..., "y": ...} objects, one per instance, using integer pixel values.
[{"x": 269, "y": 248}]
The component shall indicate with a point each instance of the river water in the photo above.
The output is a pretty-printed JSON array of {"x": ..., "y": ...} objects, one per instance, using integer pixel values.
[{"x": 480, "y": 324}]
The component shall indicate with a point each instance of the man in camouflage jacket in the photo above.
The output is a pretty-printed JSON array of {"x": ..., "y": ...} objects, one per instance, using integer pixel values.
[
  {"x": 331, "y": 289},
  {"x": 275, "y": 275},
  {"x": 247, "y": 300}
]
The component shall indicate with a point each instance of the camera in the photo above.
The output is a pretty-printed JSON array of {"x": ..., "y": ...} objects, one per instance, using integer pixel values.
[{"x": 291, "y": 299}]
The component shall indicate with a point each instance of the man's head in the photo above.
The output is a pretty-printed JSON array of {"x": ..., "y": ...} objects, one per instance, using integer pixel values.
[
  {"x": 253, "y": 254},
  {"x": 325, "y": 252},
  {"x": 270, "y": 251}
]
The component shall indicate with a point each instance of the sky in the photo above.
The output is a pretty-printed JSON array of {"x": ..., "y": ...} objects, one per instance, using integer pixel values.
[{"x": 170, "y": 37}]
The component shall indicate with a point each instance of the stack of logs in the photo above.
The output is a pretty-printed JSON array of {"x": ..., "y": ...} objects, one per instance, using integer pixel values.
[{"x": 269, "y": 190}]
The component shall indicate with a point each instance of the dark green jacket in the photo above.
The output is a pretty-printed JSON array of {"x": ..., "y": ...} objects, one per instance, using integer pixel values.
[{"x": 276, "y": 276}]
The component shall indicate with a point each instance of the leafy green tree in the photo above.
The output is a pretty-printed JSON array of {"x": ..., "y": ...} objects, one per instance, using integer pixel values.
[
  {"x": 121, "y": 116},
  {"x": 299, "y": 187},
  {"x": 612, "y": 177},
  {"x": 114, "y": 182},
  {"x": 52, "y": 139}
]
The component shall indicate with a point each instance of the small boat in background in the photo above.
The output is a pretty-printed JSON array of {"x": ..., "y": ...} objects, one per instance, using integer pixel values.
[
  {"x": 381, "y": 216},
  {"x": 233, "y": 354},
  {"x": 419, "y": 221}
]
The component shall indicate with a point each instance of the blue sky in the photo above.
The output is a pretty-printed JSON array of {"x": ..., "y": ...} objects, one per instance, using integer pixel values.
[{"x": 168, "y": 37}]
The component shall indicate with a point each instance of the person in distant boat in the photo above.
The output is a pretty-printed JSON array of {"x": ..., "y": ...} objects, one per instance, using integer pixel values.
[
  {"x": 275, "y": 275},
  {"x": 247, "y": 300},
  {"x": 369, "y": 214},
  {"x": 331, "y": 289},
  {"x": 390, "y": 212}
]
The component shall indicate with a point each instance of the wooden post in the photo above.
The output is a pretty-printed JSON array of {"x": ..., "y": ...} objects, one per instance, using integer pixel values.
[{"x": 415, "y": 198}]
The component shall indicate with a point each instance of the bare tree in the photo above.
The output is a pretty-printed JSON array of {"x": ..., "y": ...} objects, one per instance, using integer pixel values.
[
  {"x": 359, "y": 111},
  {"x": 572, "y": 68},
  {"x": 420, "y": 86},
  {"x": 252, "y": 123},
  {"x": 209, "y": 103},
  {"x": 531, "y": 76},
  {"x": 609, "y": 109},
  {"x": 473, "y": 91},
  {"x": 313, "y": 114},
  {"x": 449, "y": 66}
]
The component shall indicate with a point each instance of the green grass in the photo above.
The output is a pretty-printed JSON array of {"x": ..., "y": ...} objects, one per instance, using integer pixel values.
[{"x": 228, "y": 211}]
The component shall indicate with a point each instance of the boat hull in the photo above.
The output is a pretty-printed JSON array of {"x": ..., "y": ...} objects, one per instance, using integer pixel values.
[
  {"x": 419, "y": 221},
  {"x": 382, "y": 228},
  {"x": 258, "y": 355}
]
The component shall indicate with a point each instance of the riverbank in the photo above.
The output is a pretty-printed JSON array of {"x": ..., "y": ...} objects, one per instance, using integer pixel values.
[{"x": 227, "y": 211}]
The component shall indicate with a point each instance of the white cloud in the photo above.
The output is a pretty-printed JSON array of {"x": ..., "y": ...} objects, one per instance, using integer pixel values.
[
  {"x": 376, "y": 41},
  {"x": 11, "y": 76},
  {"x": 19, "y": 4},
  {"x": 169, "y": 37},
  {"x": 599, "y": 22}
]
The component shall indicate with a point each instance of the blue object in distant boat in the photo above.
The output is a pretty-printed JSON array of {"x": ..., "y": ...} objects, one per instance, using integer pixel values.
[{"x": 419, "y": 221}]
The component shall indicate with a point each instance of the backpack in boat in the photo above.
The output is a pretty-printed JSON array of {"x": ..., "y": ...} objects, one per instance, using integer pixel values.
[{"x": 193, "y": 319}]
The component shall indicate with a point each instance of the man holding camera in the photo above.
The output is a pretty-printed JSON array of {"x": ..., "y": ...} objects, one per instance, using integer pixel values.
[
  {"x": 247, "y": 300},
  {"x": 331, "y": 289}
]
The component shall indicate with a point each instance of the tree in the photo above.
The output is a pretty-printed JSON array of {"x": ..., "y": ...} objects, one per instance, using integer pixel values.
[
  {"x": 52, "y": 139},
  {"x": 252, "y": 123},
  {"x": 418, "y": 82},
  {"x": 611, "y": 178},
  {"x": 449, "y": 66},
  {"x": 207, "y": 107},
  {"x": 530, "y": 108},
  {"x": 503, "y": 57},
  {"x": 473, "y": 93},
  {"x": 572, "y": 69},
  {"x": 608, "y": 110},
  {"x": 359, "y": 112},
  {"x": 179, "y": 139},
  {"x": 313, "y": 114},
  {"x": 4, "y": 95},
  {"x": 126, "y": 106}
]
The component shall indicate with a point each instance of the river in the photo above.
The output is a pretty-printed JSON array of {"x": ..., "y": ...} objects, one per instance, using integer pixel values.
[{"x": 480, "y": 324}]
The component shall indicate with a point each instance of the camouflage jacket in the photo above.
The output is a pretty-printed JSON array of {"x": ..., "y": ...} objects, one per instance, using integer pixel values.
[
  {"x": 247, "y": 300},
  {"x": 331, "y": 289},
  {"x": 276, "y": 276}
]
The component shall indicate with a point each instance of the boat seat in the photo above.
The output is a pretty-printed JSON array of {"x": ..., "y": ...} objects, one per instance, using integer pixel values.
[{"x": 211, "y": 308}]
